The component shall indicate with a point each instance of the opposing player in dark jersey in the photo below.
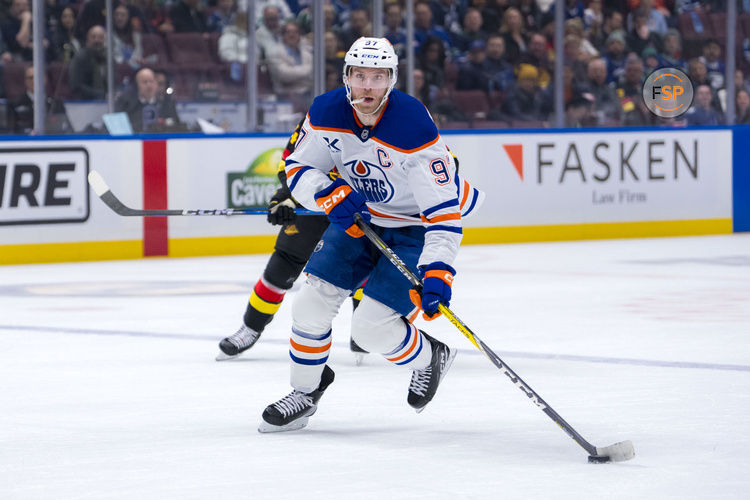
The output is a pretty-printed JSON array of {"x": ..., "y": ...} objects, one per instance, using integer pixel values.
[{"x": 294, "y": 245}]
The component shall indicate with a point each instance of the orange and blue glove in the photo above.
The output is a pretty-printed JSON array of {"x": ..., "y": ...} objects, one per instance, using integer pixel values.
[
  {"x": 340, "y": 202},
  {"x": 437, "y": 279}
]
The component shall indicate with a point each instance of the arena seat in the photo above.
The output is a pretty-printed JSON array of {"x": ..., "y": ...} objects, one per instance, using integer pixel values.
[
  {"x": 57, "y": 80},
  {"x": 13, "y": 78},
  {"x": 189, "y": 49},
  {"x": 154, "y": 50},
  {"x": 473, "y": 103}
]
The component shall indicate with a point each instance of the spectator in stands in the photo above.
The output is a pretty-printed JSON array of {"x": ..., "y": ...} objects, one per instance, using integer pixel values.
[
  {"x": 292, "y": 68},
  {"x": 698, "y": 73},
  {"x": 471, "y": 72},
  {"x": 232, "y": 44},
  {"x": 702, "y": 112},
  {"x": 88, "y": 69},
  {"x": 471, "y": 31},
  {"x": 394, "y": 29},
  {"x": 743, "y": 107},
  {"x": 421, "y": 91},
  {"x": 21, "y": 111},
  {"x": 221, "y": 17},
  {"x": 538, "y": 55},
  {"x": 613, "y": 21},
  {"x": 359, "y": 26},
  {"x": 573, "y": 8},
  {"x": 492, "y": 14},
  {"x": 282, "y": 7},
  {"x": 126, "y": 42},
  {"x": 651, "y": 60},
  {"x": 447, "y": 14},
  {"x": 526, "y": 102},
  {"x": 154, "y": 15},
  {"x": 655, "y": 20},
  {"x": 431, "y": 60},
  {"x": 66, "y": 42},
  {"x": 148, "y": 110},
  {"x": 579, "y": 113},
  {"x": 268, "y": 34},
  {"x": 574, "y": 57},
  {"x": 714, "y": 64},
  {"x": 739, "y": 81},
  {"x": 593, "y": 16},
  {"x": 630, "y": 91},
  {"x": 92, "y": 14},
  {"x": 575, "y": 27},
  {"x": 16, "y": 31},
  {"x": 615, "y": 55},
  {"x": 334, "y": 53},
  {"x": 162, "y": 83},
  {"x": 187, "y": 16},
  {"x": 641, "y": 36},
  {"x": 671, "y": 55},
  {"x": 424, "y": 28},
  {"x": 499, "y": 71},
  {"x": 513, "y": 33},
  {"x": 606, "y": 104},
  {"x": 531, "y": 14},
  {"x": 5, "y": 56}
]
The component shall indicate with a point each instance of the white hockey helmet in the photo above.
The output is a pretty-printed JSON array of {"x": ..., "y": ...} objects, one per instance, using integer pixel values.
[{"x": 369, "y": 52}]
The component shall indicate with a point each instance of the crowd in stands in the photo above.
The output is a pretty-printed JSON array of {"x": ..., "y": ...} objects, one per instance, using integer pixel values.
[{"x": 479, "y": 63}]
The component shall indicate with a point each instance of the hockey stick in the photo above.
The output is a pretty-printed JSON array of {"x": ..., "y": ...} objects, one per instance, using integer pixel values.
[
  {"x": 96, "y": 181},
  {"x": 617, "y": 452}
]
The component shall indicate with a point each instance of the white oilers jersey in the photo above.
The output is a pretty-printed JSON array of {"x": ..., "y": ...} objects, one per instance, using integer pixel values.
[{"x": 400, "y": 166}]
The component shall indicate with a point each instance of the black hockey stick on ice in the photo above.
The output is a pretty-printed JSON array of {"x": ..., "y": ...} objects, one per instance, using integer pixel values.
[
  {"x": 617, "y": 452},
  {"x": 96, "y": 181}
]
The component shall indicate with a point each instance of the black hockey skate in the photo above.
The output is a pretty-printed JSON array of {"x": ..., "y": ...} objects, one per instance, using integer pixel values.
[
  {"x": 236, "y": 344},
  {"x": 424, "y": 383},
  {"x": 359, "y": 353},
  {"x": 294, "y": 410}
]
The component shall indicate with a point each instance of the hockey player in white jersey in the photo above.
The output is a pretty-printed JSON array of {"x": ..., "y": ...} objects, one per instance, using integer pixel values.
[{"x": 397, "y": 173}]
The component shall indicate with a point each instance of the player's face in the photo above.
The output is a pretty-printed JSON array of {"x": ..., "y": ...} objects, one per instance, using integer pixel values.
[{"x": 369, "y": 84}]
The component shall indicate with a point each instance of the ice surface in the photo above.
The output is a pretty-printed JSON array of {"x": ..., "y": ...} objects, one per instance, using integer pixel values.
[{"x": 109, "y": 388}]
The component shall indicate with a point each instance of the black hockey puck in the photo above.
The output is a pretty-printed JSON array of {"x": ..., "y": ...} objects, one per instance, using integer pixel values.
[{"x": 598, "y": 460}]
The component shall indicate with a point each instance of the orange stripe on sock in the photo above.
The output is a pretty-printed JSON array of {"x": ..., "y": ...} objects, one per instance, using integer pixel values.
[
  {"x": 408, "y": 351},
  {"x": 308, "y": 349},
  {"x": 413, "y": 315}
]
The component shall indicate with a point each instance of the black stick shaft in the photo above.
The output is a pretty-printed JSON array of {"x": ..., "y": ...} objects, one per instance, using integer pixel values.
[{"x": 499, "y": 363}]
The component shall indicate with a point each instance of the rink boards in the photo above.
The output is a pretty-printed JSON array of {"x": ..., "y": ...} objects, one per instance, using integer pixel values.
[{"x": 541, "y": 186}]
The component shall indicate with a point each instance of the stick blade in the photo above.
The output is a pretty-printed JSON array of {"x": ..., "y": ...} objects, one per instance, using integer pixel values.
[
  {"x": 96, "y": 181},
  {"x": 618, "y": 452}
]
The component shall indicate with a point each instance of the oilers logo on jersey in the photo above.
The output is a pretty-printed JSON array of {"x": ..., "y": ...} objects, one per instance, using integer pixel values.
[{"x": 370, "y": 181}]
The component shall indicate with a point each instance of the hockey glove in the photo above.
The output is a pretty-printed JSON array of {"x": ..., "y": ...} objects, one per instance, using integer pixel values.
[
  {"x": 437, "y": 279},
  {"x": 281, "y": 208},
  {"x": 340, "y": 202}
]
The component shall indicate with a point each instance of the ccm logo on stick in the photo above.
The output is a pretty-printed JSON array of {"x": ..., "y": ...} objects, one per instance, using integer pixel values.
[{"x": 43, "y": 185}]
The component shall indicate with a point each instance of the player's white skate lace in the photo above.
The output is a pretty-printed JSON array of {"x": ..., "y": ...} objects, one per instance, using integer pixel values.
[
  {"x": 293, "y": 402},
  {"x": 420, "y": 380},
  {"x": 236, "y": 344}
]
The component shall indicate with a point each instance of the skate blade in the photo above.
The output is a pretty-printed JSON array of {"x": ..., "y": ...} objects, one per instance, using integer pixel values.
[
  {"x": 225, "y": 357},
  {"x": 359, "y": 358},
  {"x": 266, "y": 428},
  {"x": 448, "y": 364}
]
